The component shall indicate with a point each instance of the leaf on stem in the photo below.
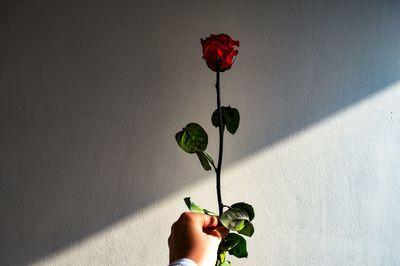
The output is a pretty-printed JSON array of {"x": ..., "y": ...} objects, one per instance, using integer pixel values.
[
  {"x": 230, "y": 118},
  {"x": 208, "y": 157},
  {"x": 235, "y": 245},
  {"x": 248, "y": 230},
  {"x": 192, "y": 138},
  {"x": 205, "y": 160},
  {"x": 247, "y": 208},
  {"x": 193, "y": 207},
  {"x": 234, "y": 219},
  {"x": 221, "y": 255},
  {"x": 221, "y": 258}
]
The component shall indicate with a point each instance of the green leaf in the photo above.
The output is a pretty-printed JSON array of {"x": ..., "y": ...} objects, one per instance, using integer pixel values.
[
  {"x": 233, "y": 124},
  {"x": 247, "y": 208},
  {"x": 204, "y": 161},
  {"x": 193, "y": 207},
  {"x": 226, "y": 263},
  {"x": 215, "y": 118},
  {"x": 230, "y": 118},
  {"x": 193, "y": 138},
  {"x": 248, "y": 230},
  {"x": 234, "y": 219},
  {"x": 221, "y": 257},
  {"x": 235, "y": 245},
  {"x": 226, "y": 117},
  {"x": 240, "y": 250},
  {"x": 208, "y": 157}
]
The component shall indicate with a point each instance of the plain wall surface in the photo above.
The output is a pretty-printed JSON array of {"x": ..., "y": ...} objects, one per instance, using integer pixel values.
[{"x": 93, "y": 92}]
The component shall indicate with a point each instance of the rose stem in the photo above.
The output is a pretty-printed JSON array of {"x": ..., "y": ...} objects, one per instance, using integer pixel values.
[{"x": 221, "y": 144}]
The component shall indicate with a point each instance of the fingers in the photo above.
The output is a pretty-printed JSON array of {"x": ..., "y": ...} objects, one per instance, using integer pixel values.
[
  {"x": 203, "y": 222},
  {"x": 219, "y": 232},
  {"x": 209, "y": 221}
]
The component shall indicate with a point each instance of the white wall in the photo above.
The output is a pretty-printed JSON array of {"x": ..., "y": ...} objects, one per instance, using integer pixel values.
[{"x": 91, "y": 95}]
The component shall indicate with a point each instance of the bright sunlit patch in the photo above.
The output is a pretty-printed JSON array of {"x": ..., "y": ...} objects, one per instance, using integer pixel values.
[{"x": 327, "y": 194}]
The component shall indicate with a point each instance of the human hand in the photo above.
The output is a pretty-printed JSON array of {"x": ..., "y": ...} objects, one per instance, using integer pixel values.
[{"x": 196, "y": 236}]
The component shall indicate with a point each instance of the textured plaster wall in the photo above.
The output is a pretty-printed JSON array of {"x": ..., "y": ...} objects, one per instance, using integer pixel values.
[{"x": 92, "y": 93}]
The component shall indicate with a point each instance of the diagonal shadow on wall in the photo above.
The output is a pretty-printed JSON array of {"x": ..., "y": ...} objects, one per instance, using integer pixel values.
[{"x": 91, "y": 97}]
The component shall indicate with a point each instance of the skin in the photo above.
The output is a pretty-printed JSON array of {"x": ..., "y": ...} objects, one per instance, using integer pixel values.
[{"x": 196, "y": 236}]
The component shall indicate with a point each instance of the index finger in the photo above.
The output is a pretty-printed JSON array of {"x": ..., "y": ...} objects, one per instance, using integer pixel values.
[
  {"x": 209, "y": 221},
  {"x": 203, "y": 221}
]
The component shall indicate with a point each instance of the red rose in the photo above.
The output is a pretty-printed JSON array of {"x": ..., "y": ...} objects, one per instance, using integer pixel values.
[{"x": 221, "y": 47}]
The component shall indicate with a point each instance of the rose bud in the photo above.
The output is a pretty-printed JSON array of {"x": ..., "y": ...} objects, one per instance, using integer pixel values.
[{"x": 219, "y": 51}]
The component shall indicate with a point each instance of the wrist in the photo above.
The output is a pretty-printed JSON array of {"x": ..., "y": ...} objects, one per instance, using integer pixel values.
[{"x": 184, "y": 262}]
